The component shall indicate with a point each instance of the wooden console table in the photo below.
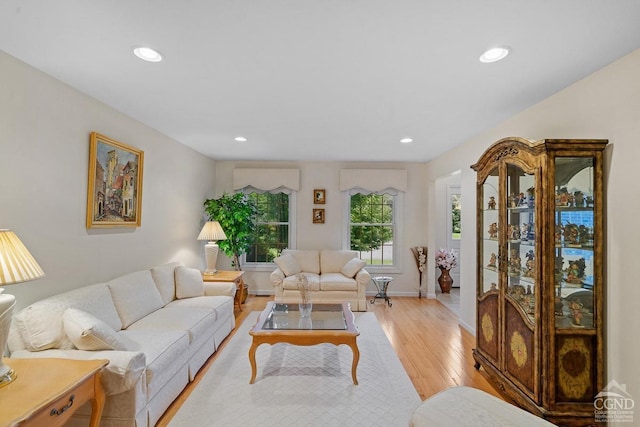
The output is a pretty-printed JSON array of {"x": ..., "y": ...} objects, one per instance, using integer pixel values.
[
  {"x": 229, "y": 276},
  {"x": 48, "y": 391}
]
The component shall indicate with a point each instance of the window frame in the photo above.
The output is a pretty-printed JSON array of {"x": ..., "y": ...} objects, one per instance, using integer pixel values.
[
  {"x": 270, "y": 266},
  {"x": 398, "y": 212}
]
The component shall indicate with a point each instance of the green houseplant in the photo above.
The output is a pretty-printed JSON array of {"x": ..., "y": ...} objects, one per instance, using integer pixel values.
[{"x": 236, "y": 214}]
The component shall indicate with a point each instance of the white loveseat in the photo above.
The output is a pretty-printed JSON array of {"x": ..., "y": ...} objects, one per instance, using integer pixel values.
[
  {"x": 334, "y": 276},
  {"x": 157, "y": 327}
]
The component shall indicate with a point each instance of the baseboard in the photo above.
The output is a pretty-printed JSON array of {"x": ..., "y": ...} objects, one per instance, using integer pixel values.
[{"x": 466, "y": 326}]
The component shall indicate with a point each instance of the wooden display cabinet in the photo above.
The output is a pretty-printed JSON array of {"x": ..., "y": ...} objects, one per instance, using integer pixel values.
[{"x": 540, "y": 282}]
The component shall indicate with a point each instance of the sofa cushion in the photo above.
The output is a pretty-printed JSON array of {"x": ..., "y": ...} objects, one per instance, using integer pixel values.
[
  {"x": 135, "y": 295},
  {"x": 87, "y": 332},
  {"x": 309, "y": 261},
  {"x": 332, "y": 261},
  {"x": 351, "y": 268},
  {"x": 197, "y": 322},
  {"x": 166, "y": 351},
  {"x": 189, "y": 283},
  {"x": 40, "y": 324},
  {"x": 288, "y": 264},
  {"x": 222, "y": 306},
  {"x": 164, "y": 278},
  {"x": 291, "y": 282},
  {"x": 337, "y": 282}
]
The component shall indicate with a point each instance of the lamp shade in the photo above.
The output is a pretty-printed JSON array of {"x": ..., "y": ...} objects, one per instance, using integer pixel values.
[
  {"x": 212, "y": 231},
  {"x": 16, "y": 265},
  {"x": 16, "y": 262}
]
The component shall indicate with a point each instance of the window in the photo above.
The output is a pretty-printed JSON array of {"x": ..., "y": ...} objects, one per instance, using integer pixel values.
[
  {"x": 456, "y": 208},
  {"x": 274, "y": 227},
  {"x": 372, "y": 228}
]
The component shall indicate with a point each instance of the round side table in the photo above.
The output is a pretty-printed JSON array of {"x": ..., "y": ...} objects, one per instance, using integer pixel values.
[{"x": 382, "y": 283}]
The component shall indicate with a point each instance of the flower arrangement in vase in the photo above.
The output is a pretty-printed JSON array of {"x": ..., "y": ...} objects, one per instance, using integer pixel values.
[
  {"x": 305, "y": 297},
  {"x": 446, "y": 259},
  {"x": 420, "y": 254}
]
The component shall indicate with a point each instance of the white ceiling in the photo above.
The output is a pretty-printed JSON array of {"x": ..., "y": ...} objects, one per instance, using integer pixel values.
[{"x": 319, "y": 79}]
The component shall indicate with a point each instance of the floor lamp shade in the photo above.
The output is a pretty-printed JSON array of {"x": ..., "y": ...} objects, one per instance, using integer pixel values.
[
  {"x": 212, "y": 231},
  {"x": 16, "y": 265}
]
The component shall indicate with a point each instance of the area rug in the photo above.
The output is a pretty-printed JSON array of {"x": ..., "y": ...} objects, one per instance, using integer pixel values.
[{"x": 303, "y": 386}]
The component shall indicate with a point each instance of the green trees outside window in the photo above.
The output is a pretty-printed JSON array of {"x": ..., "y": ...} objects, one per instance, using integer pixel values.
[
  {"x": 271, "y": 234},
  {"x": 372, "y": 227}
]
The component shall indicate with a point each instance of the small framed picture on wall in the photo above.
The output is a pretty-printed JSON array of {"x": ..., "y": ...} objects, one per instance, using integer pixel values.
[
  {"x": 319, "y": 196},
  {"x": 318, "y": 216}
]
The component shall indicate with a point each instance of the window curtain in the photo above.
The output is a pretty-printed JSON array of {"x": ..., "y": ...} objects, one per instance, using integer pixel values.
[
  {"x": 266, "y": 180},
  {"x": 373, "y": 181}
]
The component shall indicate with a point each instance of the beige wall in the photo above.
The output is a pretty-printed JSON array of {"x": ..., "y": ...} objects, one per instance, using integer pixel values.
[
  {"x": 606, "y": 104},
  {"x": 329, "y": 235},
  {"x": 44, "y": 156}
]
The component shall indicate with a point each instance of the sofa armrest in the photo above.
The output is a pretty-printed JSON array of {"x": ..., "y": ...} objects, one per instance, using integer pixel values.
[
  {"x": 220, "y": 289},
  {"x": 123, "y": 372},
  {"x": 363, "y": 278},
  {"x": 277, "y": 277}
]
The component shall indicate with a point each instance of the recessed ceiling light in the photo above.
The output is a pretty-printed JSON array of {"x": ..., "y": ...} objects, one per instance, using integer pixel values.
[
  {"x": 406, "y": 140},
  {"x": 240, "y": 139},
  {"x": 494, "y": 54},
  {"x": 147, "y": 54}
]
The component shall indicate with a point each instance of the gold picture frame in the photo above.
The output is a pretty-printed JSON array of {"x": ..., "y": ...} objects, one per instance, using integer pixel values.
[
  {"x": 318, "y": 216},
  {"x": 114, "y": 190},
  {"x": 319, "y": 196}
]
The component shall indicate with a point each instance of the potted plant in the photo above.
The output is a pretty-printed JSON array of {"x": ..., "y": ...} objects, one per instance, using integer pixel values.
[
  {"x": 446, "y": 259},
  {"x": 236, "y": 214}
]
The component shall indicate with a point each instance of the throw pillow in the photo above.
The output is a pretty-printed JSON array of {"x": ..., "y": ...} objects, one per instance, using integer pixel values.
[
  {"x": 351, "y": 268},
  {"x": 189, "y": 283},
  {"x": 288, "y": 265},
  {"x": 87, "y": 332}
]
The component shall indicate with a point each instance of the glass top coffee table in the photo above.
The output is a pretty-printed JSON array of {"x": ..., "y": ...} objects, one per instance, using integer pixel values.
[{"x": 328, "y": 323}]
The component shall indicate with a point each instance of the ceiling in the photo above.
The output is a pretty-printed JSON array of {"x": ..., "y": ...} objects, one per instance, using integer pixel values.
[{"x": 319, "y": 80}]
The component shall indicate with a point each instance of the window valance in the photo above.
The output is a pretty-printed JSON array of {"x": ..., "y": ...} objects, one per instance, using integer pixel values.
[
  {"x": 266, "y": 179},
  {"x": 374, "y": 180}
]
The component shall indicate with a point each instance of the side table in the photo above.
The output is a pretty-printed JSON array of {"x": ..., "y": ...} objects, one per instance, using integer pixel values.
[
  {"x": 48, "y": 391},
  {"x": 229, "y": 276},
  {"x": 382, "y": 283}
]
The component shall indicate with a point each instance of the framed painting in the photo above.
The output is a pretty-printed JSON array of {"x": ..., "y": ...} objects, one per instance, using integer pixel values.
[
  {"x": 114, "y": 195},
  {"x": 318, "y": 216},
  {"x": 319, "y": 197}
]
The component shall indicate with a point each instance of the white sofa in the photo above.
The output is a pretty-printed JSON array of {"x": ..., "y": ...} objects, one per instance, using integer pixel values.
[
  {"x": 334, "y": 276},
  {"x": 157, "y": 327}
]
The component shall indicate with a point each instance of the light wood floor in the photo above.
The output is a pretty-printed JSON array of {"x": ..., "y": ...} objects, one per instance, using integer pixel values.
[{"x": 434, "y": 349}]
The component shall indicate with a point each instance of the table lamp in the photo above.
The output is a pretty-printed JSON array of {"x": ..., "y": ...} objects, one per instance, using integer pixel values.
[
  {"x": 212, "y": 231},
  {"x": 16, "y": 265}
]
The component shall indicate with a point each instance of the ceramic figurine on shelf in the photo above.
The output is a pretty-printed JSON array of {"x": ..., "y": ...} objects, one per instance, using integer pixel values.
[
  {"x": 571, "y": 234},
  {"x": 492, "y": 203},
  {"x": 562, "y": 197},
  {"x": 514, "y": 232},
  {"x": 530, "y": 197},
  {"x": 513, "y": 201},
  {"x": 515, "y": 262},
  {"x": 494, "y": 287},
  {"x": 575, "y": 271},
  {"x": 558, "y": 234},
  {"x": 493, "y": 230},
  {"x": 492, "y": 261},
  {"x": 522, "y": 201},
  {"x": 578, "y": 197},
  {"x": 524, "y": 232},
  {"x": 575, "y": 309}
]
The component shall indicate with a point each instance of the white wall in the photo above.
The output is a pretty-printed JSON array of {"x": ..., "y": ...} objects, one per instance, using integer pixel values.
[
  {"x": 606, "y": 105},
  {"x": 44, "y": 158},
  {"x": 329, "y": 235}
]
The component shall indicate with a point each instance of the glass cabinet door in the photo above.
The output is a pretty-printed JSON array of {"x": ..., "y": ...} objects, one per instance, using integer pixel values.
[
  {"x": 489, "y": 229},
  {"x": 574, "y": 242},
  {"x": 520, "y": 241}
]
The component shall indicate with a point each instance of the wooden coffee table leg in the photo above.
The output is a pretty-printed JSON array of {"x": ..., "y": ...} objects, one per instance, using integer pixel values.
[
  {"x": 252, "y": 360},
  {"x": 356, "y": 359}
]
